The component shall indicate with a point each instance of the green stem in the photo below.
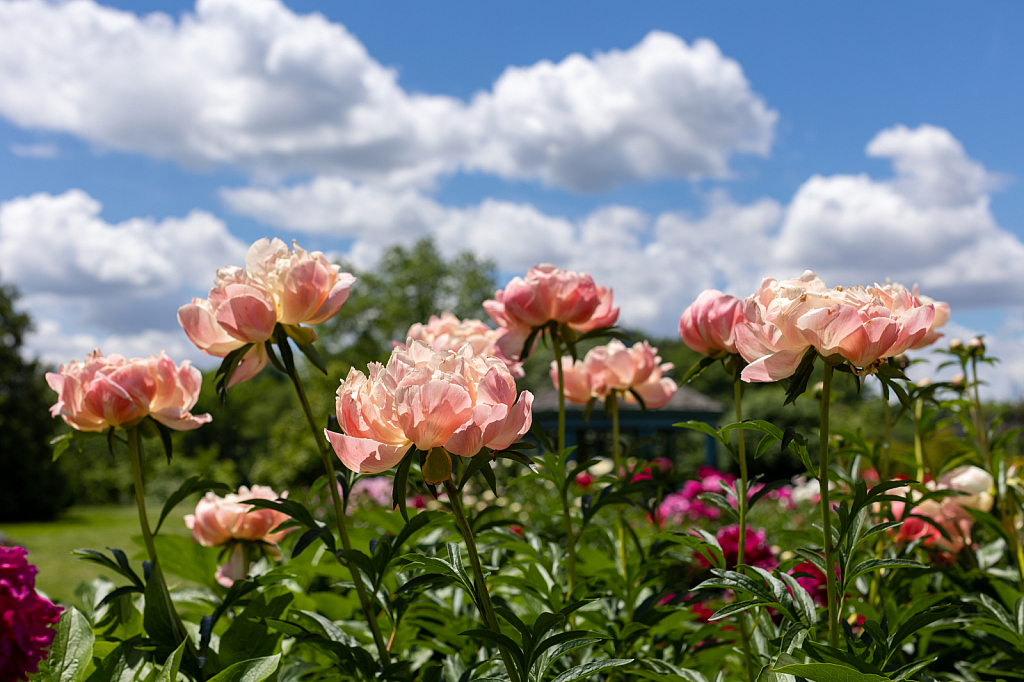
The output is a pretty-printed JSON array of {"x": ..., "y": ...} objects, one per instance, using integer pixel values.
[
  {"x": 570, "y": 534},
  {"x": 743, "y": 504},
  {"x": 883, "y": 468},
  {"x": 826, "y": 511},
  {"x": 982, "y": 431},
  {"x": 135, "y": 454},
  {"x": 486, "y": 607},
  {"x": 919, "y": 440},
  {"x": 620, "y": 540},
  {"x": 339, "y": 511}
]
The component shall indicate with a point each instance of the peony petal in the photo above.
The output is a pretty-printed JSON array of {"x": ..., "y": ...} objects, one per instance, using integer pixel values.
[
  {"x": 773, "y": 367},
  {"x": 366, "y": 456}
]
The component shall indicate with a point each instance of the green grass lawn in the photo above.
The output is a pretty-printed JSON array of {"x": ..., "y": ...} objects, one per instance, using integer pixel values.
[{"x": 50, "y": 544}]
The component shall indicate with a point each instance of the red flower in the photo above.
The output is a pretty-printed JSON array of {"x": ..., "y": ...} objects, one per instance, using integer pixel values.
[{"x": 25, "y": 617}]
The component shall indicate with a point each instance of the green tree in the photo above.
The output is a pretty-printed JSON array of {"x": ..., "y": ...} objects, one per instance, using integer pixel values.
[{"x": 32, "y": 486}]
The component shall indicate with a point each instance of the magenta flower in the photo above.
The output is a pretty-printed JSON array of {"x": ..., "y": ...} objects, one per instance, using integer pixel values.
[
  {"x": 756, "y": 550},
  {"x": 25, "y": 617}
]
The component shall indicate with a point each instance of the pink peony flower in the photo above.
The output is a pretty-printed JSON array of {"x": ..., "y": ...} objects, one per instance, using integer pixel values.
[
  {"x": 277, "y": 285},
  {"x": 950, "y": 513},
  {"x": 862, "y": 325},
  {"x": 756, "y": 550},
  {"x": 226, "y": 521},
  {"x": 616, "y": 367},
  {"x": 110, "y": 391},
  {"x": 25, "y": 617},
  {"x": 706, "y": 326},
  {"x": 373, "y": 489},
  {"x": 428, "y": 399},
  {"x": 448, "y": 332},
  {"x": 548, "y": 294},
  {"x": 812, "y": 579},
  {"x": 684, "y": 503}
]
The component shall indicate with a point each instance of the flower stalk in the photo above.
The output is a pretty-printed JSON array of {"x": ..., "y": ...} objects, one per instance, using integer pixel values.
[
  {"x": 742, "y": 502},
  {"x": 570, "y": 534},
  {"x": 826, "y": 510},
  {"x": 339, "y": 512},
  {"x": 486, "y": 607}
]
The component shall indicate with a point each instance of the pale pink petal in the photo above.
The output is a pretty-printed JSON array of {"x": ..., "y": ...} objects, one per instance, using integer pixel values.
[
  {"x": 251, "y": 364},
  {"x": 197, "y": 320},
  {"x": 249, "y": 317},
  {"x": 515, "y": 425},
  {"x": 365, "y": 456},
  {"x": 236, "y": 568},
  {"x": 773, "y": 367}
]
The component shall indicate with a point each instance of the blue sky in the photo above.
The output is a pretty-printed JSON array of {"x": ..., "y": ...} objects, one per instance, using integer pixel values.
[{"x": 730, "y": 145}]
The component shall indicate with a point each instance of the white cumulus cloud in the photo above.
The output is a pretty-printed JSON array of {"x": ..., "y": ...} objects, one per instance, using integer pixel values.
[
  {"x": 91, "y": 283},
  {"x": 931, "y": 224},
  {"x": 253, "y": 84}
]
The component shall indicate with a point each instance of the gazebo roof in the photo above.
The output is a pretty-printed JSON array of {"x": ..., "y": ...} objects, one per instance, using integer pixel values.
[{"x": 685, "y": 400}]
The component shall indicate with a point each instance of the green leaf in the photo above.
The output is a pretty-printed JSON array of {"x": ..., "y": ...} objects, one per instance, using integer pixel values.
[
  {"x": 704, "y": 427},
  {"x": 227, "y": 369},
  {"x": 828, "y": 672},
  {"x": 195, "y": 484},
  {"x": 61, "y": 443},
  {"x": 313, "y": 355},
  {"x": 190, "y": 560},
  {"x": 249, "y": 636},
  {"x": 588, "y": 669},
  {"x": 798, "y": 382},
  {"x": 255, "y": 670},
  {"x": 157, "y": 618},
  {"x": 169, "y": 673},
  {"x": 72, "y": 646},
  {"x": 696, "y": 369},
  {"x": 878, "y": 564},
  {"x": 398, "y": 491}
]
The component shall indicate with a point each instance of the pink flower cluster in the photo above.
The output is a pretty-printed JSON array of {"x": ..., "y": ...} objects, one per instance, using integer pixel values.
[
  {"x": 756, "y": 550},
  {"x": 226, "y": 521},
  {"x": 615, "y": 367},
  {"x": 373, "y": 489},
  {"x": 684, "y": 504},
  {"x": 25, "y": 617},
  {"x": 110, "y": 391},
  {"x": 773, "y": 328},
  {"x": 427, "y": 398},
  {"x": 548, "y": 294},
  {"x": 448, "y": 332},
  {"x": 277, "y": 285},
  {"x": 950, "y": 513}
]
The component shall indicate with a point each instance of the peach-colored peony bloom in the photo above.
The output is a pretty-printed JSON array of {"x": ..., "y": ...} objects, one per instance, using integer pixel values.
[
  {"x": 448, "y": 332},
  {"x": 546, "y": 294},
  {"x": 950, "y": 513},
  {"x": 707, "y": 325},
  {"x": 427, "y": 398},
  {"x": 578, "y": 385},
  {"x": 861, "y": 324},
  {"x": 941, "y": 318},
  {"x": 102, "y": 392},
  {"x": 226, "y": 520},
  {"x": 615, "y": 366},
  {"x": 277, "y": 285}
]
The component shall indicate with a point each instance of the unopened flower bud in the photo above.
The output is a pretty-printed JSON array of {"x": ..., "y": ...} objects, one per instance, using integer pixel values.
[
  {"x": 955, "y": 344},
  {"x": 922, "y": 383},
  {"x": 977, "y": 346},
  {"x": 819, "y": 388},
  {"x": 959, "y": 381},
  {"x": 838, "y": 440}
]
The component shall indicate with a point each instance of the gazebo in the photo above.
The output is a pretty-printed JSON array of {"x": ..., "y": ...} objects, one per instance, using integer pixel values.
[{"x": 656, "y": 426}]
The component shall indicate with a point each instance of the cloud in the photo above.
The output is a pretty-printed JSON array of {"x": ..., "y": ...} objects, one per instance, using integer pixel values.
[
  {"x": 35, "y": 151},
  {"x": 656, "y": 265},
  {"x": 930, "y": 224},
  {"x": 250, "y": 83},
  {"x": 97, "y": 280}
]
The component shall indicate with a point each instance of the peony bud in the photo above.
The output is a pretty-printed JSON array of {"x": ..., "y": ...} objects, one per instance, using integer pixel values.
[{"x": 955, "y": 344}]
